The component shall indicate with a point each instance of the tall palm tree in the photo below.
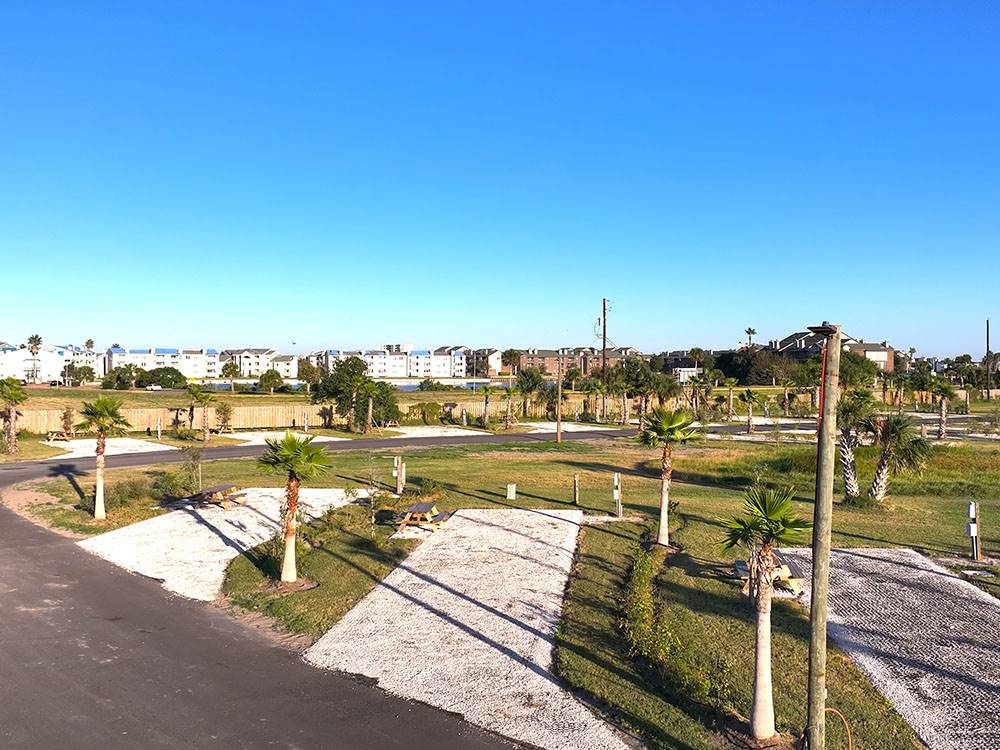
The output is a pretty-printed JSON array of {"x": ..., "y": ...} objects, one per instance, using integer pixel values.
[
  {"x": 665, "y": 388},
  {"x": 487, "y": 391},
  {"x": 786, "y": 403},
  {"x": 767, "y": 522},
  {"x": 902, "y": 449},
  {"x": 367, "y": 392},
  {"x": 200, "y": 397},
  {"x": 854, "y": 411},
  {"x": 510, "y": 393},
  {"x": 34, "y": 344},
  {"x": 593, "y": 389},
  {"x": 751, "y": 398},
  {"x": 529, "y": 380},
  {"x": 750, "y": 332},
  {"x": 300, "y": 461},
  {"x": 89, "y": 345},
  {"x": 944, "y": 391},
  {"x": 12, "y": 394},
  {"x": 730, "y": 384},
  {"x": 102, "y": 415},
  {"x": 701, "y": 389},
  {"x": 664, "y": 429}
]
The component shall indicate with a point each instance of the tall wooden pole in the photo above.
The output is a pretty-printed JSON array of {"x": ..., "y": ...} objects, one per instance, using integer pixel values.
[
  {"x": 604, "y": 356},
  {"x": 559, "y": 399},
  {"x": 822, "y": 520},
  {"x": 989, "y": 363}
]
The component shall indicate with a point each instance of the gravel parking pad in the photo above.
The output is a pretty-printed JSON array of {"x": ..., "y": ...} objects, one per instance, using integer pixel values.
[
  {"x": 261, "y": 438},
  {"x": 87, "y": 447},
  {"x": 928, "y": 640},
  {"x": 467, "y": 624},
  {"x": 189, "y": 548}
]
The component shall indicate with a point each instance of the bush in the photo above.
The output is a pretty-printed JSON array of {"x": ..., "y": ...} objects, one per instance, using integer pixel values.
[
  {"x": 183, "y": 433},
  {"x": 119, "y": 494}
]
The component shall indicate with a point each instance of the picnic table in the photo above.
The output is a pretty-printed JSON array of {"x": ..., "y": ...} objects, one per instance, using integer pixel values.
[
  {"x": 59, "y": 435},
  {"x": 223, "y": 495},
  {"x": 786, "y": 574},
  {"x": 423, "y": 515}
]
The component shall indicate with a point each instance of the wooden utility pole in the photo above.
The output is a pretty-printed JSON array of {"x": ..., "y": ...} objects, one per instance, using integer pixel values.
[
  {"x": 604, "y": 356},
  {"x": 559, "y": 380},
  {"x": 822, "y": 521},
  {"x": 989, "y": 363}
]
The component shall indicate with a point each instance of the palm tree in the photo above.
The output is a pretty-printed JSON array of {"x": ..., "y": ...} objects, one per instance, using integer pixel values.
[
  {"x": 730, "y": 384},
  {"x": 701, "y": 388},
  {"x": 488, "y": 391},
  {"x": 11, "y": 395},
  {"x": 368, "y": 391},
  {"x": 102, "y": 415},
  {"x": 299, "y": 460},
  {"x": 664, "y": 429},
  {"x": 593, "y": 389},
  {"x": 510, "y": 393},
  {"x": 944, "y": 391},
  {"x": 199, "y": 397},
  {"x": 750, "y": 332},
  {"x": 853, "y": 412},
  {"x": 89, "y": 345},
  {"x": 572, "y": 375},
  {"x": 751, "y": 398},
  {"x": 529, "y": 380},
  {"x": 902, "y": 449},
  {"x": 767, "y": 522},
  {"x": 786, "y": 402},
  {"x": 34, "y": 344},
  {"x": 665, "y": 387}
]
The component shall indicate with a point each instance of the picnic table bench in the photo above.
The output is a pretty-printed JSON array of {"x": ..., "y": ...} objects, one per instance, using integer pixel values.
[
  {"x": 223, "y": 495},
  {"x": 59, "y": 435},
  {"x": 786, "y": 574},
  {"x": 423, "y": 515}
]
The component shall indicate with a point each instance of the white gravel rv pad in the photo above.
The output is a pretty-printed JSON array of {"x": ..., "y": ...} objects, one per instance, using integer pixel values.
[
  {"x": 87, "y": 447},
  {"x": 188, "y": 549},
  {"x": 926, "y": 638},
  {"x": 467, "y": 624},
  {"x": 261, "y": 437}
]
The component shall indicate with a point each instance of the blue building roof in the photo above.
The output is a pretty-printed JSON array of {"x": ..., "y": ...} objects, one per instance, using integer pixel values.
[
  {"x": 421, "y": 352},
  {"x": 116, "y": 350},
  {"x": 138, "y": 351},
  {"x": 161, "y": 350},
  {"x": 210, "y": 351}
]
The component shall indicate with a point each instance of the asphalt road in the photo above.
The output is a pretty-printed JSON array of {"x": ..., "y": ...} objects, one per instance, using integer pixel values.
[{"x": 92, "y": 657}]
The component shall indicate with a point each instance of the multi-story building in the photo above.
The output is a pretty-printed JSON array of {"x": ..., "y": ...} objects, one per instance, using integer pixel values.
[
  {"x": 80, "y": 356},
  {"x": 42, "y": 366},
  {"x": 253, "y": 362},
  {"x": 286, "y": 365},
  {"x": 400, "y": 361},
  {"x": 194, "y": 364},
  {"x": 585, "y": 358},
  {"x": 484, "y": 363}
]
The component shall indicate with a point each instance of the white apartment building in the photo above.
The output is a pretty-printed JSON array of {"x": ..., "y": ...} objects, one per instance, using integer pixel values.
[
  {"x": 287, "y": 365},
  {"x": 44, "y": 366},
  {"x": 400, "y": 361},
  {"x": 194, "y": 364},
  {"x": 81, "y": 357},
  {"x": 253, "y": 362}
]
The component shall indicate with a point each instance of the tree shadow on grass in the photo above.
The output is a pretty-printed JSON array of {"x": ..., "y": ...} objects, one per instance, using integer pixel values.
[{"x": 70, "y": 473}]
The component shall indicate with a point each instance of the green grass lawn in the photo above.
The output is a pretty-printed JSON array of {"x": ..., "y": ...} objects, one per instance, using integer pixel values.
[
  {"x": 698, "y": 602},
  {"x": 60, "y": 398},
  {"x": 29, "y": 448}
]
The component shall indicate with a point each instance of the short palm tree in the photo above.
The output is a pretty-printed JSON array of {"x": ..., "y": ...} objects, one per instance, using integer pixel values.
[
  {"x": 200, "y": 397},
  {"x": 786, "y": 401},
  {"x": 767, "y": 522},
  {"x": 750, "y": 332},
  {"x": 510, "y": 393},
  {"x": 664, "y": 429},
  {"x": 102, "y": 415},
  {"x": 854, "y": 410},
  {"x": 367, "y": 392},
  {"x": 12, "y": 394},
  {"x": 665, "y": 388},
  {"x": 487, "y": 391},
  {"x": 299, "y": 460},
  {"x": 944, "y": 391},
  {"x": 751, "y": 398},
  {"x": 730, "y": 384},
  {"x": 902, "y": 447}
]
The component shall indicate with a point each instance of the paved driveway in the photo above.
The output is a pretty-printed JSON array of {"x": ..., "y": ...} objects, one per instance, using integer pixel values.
[{"x": 929, "y": 641}]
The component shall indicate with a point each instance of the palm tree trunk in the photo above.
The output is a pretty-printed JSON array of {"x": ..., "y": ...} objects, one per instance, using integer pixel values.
[
  {"x": 848, "y": 442},
  {"x": 762, "y": 710},
  {"x": 509, "y": 420},
  {"x": 624, "y": 408},
  {"x": 204, "y": 423},
  {"x": 99, "y": 513},
  {"x": 943, "y": 419},
  {"x": 232, "y": 385},
  {"x": 880, "y": 482},
  {"x": 486, "y": 409},
  {"x": 353, "y": 410},
  {"x": 191, "y": 417},
  {"x": 663, "y": 531},
  {"x": 10, "y": 418},
  {"x": 785, "y": 404},
  {"x": 749, "y": 418},
  {"x": 289, "y": 574},
  {"x": 371, "y": 411},
  {"x": 730, "y": 416}
]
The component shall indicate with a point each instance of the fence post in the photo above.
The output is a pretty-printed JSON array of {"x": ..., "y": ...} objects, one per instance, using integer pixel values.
[
  {"x": 511, "y": 491},
  {"x": 576, "y": 489},
  {"x": 972, "y": 529},
  {"x": 618, "y": 493}
]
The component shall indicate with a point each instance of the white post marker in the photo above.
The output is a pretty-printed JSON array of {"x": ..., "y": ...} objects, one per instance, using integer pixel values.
[
  {"x": 972, "y": 529},
  {"x": 159, "y": 428},
  {"x": 305, "y": 421},
  {"x": 618, "y": 493},
  {"x": 512, "y": 491},
  {"x": 402, "y": 475},
  {"x": 576, "y": 489}
]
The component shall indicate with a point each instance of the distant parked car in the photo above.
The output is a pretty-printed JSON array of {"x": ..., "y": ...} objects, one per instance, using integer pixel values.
[
  {"x": 154, "y": 387},
  {"x": 54, "y": 384}
]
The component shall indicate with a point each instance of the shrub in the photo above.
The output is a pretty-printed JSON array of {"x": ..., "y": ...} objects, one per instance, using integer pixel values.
[{"x": 119, "y": 494}]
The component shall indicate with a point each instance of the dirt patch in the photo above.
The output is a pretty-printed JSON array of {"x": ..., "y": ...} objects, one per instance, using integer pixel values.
[
  {"x": 266, "y": 626},
  {"x": 21, "y": 500}
]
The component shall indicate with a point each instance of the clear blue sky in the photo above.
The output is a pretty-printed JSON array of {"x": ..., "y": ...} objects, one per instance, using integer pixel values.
[{"x": 261, "y": 173}]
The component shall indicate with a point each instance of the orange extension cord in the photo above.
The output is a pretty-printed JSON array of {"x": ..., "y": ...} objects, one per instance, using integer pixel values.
[{"x": 847, "y": 728}]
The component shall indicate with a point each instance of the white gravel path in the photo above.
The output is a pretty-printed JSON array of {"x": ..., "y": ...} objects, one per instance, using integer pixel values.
[
  {"x": 87, "y": 447},
  {"x": 188, "y": 549},
  {"x": 467, "y": 624},
  {"x": 567, "y": 426},
  {"x": 431, "y": 430},
  {"x": 927, "y": 639},
  {"x": 259, "y": 438}
]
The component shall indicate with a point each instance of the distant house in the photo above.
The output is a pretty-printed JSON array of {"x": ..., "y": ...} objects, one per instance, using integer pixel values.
[
  {"x": 883, "y": 355},
  {"x": 803, "y": 345},
  {"x": 587, "y": 359}
]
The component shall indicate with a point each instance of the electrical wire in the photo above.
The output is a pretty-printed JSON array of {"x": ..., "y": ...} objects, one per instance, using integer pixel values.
[{"x": 847, "y": 728}]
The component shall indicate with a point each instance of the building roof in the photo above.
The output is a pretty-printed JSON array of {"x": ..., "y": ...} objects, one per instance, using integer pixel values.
[
  {"x": 861, "y": 346},
  {"x": 165, "y": 350},
  {"x": 283, "y": 358},
  {"x": 421, "y": 352},
  {"x": 249, "y": 350}
]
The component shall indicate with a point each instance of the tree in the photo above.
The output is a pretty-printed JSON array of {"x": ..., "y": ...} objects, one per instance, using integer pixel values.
[
  {"x": 12, "y": 394},
  {"x": 854, "y": 411},
  {"x": 511, "y": 359},
  {"x": 786, "y": 402},
  {"x": 224, "y": 413},
  {"x": 300, "y": 461},
  {"x": 270, "y": 380},
  {"x": 78, "y": 374},
  {"x": 767, "y": 522},
  {"x": 121, "y": 378},
  {"x": 665, "y": 388},
  {"x": 89, "y": 345},
  {"x": 308, "y": 373},
  {"x": 664, "y": 429},
  {"x": 751, "y": 398},
  {"x": 570, "y": 376},
  {"x": 430, "y": 411},
  {"x": 944, "y": 391},
  {"x": 200, "y": 397},
  {"x": 367, "y": 392},
  {"x": 165, "y": 377},
  {"x": 102, "y": 415},
  {"x": 902, "y": 449},
  {"x": 340, "y": 386},
  {"x": 231, "y": 371},
  {"x": 697, "y": 356},
  {"x": 529, "y": 380},
  {"x": 510, "y": 393},
  {"x": 730, "y": 384},
  {"x": 487, "y": 391},
  {"x": 750, "y": 332},
  {"x": 857, "y": 370}
]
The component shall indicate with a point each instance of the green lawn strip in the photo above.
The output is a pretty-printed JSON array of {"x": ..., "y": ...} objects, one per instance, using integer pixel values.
[
  {"x": 60, "y": 398},
  {"x": 29, "y": 448}
]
